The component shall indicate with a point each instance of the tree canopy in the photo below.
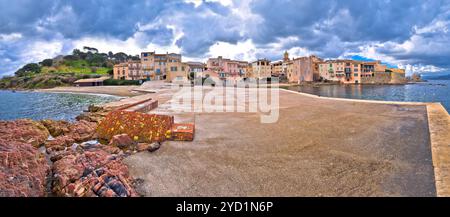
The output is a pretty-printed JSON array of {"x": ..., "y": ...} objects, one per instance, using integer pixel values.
[{"x": 28, "y": 68}]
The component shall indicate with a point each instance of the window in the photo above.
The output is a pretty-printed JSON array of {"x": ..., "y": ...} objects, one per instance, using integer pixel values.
[
  {"x": 356, "y": 70},
  {"x": 173, "y": 69},
  {"x": 145, "y": 54},
  {"x": 182, "y": 68},
  {"x": 356, "y": 74},
  {"x": 347, "y": 64}
]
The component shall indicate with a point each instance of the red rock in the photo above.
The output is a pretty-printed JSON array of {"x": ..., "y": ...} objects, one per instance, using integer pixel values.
[
  {"x": 111, "y": 149},
  {"x": 142, "y": 147},
  {"x": 71, "y": 133},
  {"x": 183, "y": 132},
  {"x": 148, "y": 147},
  {"x": 24, "y": 130},
  {"x": 93, "y": 173},
  {"x": 82, "y": 131},
  {"x": 122, "y": 141},
  {"x": 94, "y": 114},
  {"x": 56, "y": 128},
  {"x": 23, "y": 170},
  {"x": 59, "y": 143}
]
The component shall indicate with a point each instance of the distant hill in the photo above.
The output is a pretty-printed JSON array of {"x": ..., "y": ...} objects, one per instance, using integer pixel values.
[{"x": 64, "y": 70}]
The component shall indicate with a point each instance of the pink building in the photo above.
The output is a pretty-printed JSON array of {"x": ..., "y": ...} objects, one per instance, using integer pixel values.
[{"x": 226, "y": 68}]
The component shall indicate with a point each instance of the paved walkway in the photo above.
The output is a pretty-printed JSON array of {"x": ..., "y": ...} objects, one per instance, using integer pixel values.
[{"x": 319, "y": 147}]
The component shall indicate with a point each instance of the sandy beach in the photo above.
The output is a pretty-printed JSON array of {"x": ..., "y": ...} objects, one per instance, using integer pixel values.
[{"x": 124, "y": 91}]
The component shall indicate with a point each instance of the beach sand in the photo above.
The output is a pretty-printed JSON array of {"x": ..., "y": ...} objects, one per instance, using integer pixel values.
[{"x": 124, "y": 91}]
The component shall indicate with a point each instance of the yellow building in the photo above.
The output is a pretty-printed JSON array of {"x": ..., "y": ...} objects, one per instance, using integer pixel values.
[
  {"x": 177, "y": 72},
  {"x": 277, "y": 68},
  {"x": 157, "y": 66}
]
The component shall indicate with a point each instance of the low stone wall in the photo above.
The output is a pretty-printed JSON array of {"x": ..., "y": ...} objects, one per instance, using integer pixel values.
[
  {"x": 398, "y": 78},
  {"x": 439, "y": 126},
  {"x": 378, "y": 78}
]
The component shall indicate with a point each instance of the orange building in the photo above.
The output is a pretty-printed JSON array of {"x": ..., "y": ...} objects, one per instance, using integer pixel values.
[{"x": 130, "y": 70}]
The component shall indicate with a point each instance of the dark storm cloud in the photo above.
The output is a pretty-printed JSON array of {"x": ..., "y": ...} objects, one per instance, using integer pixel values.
[
  {"x": 331, "y": 28},
  {"x": 350, "y": 20},
  {"x": 327, "y": 28}
]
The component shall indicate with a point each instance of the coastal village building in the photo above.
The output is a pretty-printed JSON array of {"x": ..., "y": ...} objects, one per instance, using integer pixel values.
[
  {"x": 280, "y": 67},
  {"x": 261, "y": 69},
  {"x": 170, "y": 67},
  {"x": 277, "y": 69},
  {"x": 130, "y": 70},
  {"x": 152, "y": 66},
  {"x": 163, "y": 66},
  {"x": 344, "y": 71},
  {"x": 297, "y": 70},
  {"x": 304, "y": 69},
  {"x": 226, "y": 68},
  {"x": 356, "y": 72},
  {"x": 197, "y": 68}
]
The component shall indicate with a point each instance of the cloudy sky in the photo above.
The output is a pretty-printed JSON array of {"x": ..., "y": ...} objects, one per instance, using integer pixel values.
[{"x": 411, "y": 34}]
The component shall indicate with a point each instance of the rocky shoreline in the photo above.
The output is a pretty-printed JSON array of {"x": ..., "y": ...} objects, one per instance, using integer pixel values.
[{"x": 58, "y": 158}]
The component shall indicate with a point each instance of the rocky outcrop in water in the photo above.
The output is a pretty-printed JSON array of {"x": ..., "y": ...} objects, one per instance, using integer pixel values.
[
  {"x": 56, "y": 128},
  {"x": 94, "y": 114},
  {"x": 25, "y": 131},
  {"x": 66, "y": 134}
]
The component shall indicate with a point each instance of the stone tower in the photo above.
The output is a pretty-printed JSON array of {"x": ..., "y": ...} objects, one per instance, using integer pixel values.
[{"x": 286, "y": 56}]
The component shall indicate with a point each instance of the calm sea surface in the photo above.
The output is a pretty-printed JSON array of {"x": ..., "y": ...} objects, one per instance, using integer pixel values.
[
  {"x": 37, "y": 106},
  {"x": 431, "y": 91}
]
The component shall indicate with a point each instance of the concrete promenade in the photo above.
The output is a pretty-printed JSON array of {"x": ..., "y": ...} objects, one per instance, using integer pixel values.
[{"x": 318, "y": 147}]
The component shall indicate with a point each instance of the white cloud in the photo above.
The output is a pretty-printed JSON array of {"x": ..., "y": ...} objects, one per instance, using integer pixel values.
[
  {"x": 40, "y": 50},
  {"x": 242, "y": 50},
  {"x": 10, "y": 37},
  {"x": 410, "y": 69}
]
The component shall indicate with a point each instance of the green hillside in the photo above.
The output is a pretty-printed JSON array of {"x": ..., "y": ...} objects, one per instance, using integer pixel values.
[{"x": 64, "y": 70}]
